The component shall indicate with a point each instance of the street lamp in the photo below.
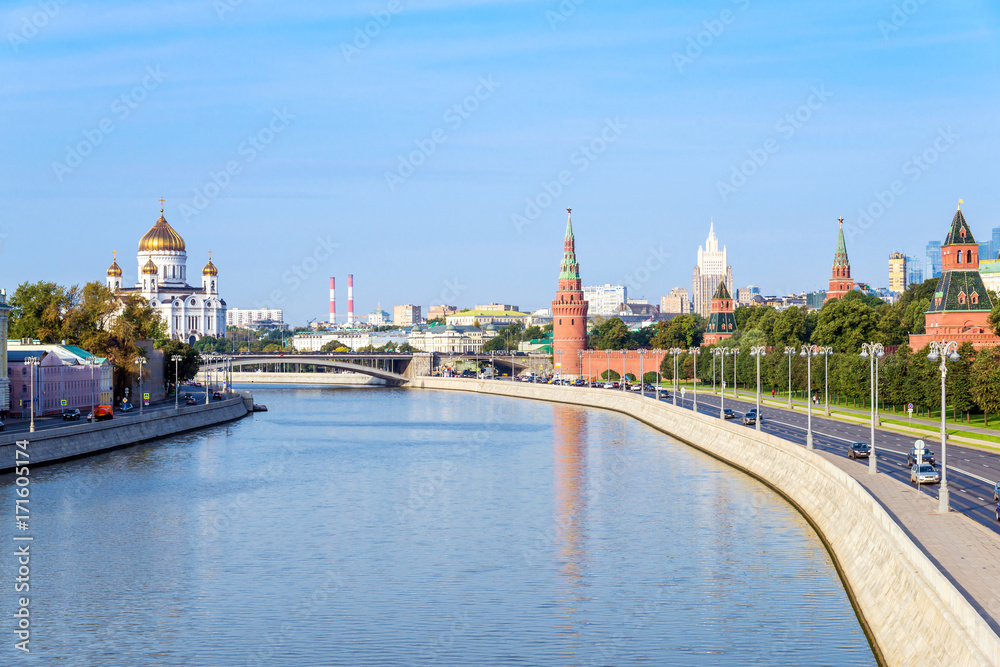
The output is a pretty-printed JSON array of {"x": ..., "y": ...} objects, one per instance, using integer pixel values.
[
  {"x": 695, "y": 351},
  {"x": 873, "y": 352},
  {"x": 141, "y": 361},
  {"x": 177, "y": 379},
  {"x": 92, "y": 362},
  {"x": 735, "y": 353},
  {"x": 609, "y": 364},
  {"x": 722, "y": 353},
  {"x": 624, "y": 375},
  {"x": 758, "y": 351},
  {"x": 826, "y": 352},
  {"x": 658, "y": 353},
  {"x": 33, "y": 362},
  {"x": 559, "y": 354},
  {"x": 809, "y": 351},
  {"x": 676, "y": 351},
  {"x": 789, "y": 352},
  {"x": 642, "y": 378},
  {"x": 943, "y": 350}
]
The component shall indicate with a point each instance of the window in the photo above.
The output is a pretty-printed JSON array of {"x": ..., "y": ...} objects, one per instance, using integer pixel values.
[
  {"x": 572, "y": 322},
  {"x": 975, "y": 297},
  {"x": 968, "y": 257},
  {"x": 958, "y": 258},
  {"x": 961, "y": 297}
]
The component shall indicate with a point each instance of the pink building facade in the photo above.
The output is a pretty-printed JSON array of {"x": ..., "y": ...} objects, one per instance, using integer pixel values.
[{"x": 64, "y": 378}]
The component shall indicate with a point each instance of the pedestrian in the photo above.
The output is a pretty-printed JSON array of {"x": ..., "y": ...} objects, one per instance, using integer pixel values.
[{"x": 772, "y": 392}]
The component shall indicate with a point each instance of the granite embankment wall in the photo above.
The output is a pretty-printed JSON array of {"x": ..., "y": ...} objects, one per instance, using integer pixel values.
[
  {"x": 912, "y": 614},
  {"x": 78, "y": 439},
  {"x": 352, "y": 379}
]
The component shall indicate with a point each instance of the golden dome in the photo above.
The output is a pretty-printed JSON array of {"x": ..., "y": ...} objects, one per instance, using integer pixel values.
[
  {"x": 114, "y": 269},
  {"x": 149, "y": 268},
  {"x": 210, "y": 269},
  {"x": 161, "y": 237}
]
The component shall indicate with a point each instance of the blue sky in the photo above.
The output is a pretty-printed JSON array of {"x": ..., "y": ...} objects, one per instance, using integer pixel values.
[{"x": 347, "y": 154}]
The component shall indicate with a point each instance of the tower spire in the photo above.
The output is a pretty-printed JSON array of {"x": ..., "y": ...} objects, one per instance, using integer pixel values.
[{"x": 569, "y": 223}]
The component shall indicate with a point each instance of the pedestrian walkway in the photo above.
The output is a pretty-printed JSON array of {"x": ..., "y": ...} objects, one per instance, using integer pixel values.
[{"x": 965, "y": 552}]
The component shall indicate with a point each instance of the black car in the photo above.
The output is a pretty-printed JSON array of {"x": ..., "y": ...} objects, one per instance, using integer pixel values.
[
  {"x": 71, "y": 414},
  {"x": 729, "y": 414},
  {"x": 926, "y": 457},
  {"x": 217, "y": 396},
  {"x": 858, "y": 450},
  {"x": 189, "y": 400}
]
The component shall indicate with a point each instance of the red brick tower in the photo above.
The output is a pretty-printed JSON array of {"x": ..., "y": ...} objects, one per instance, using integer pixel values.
[
  {"x": 569, "y": 310},
  {"x": 840, "y": 281},
  {"x": 722, "y": 321}
]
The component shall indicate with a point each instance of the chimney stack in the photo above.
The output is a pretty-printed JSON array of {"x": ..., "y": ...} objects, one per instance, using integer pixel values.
[
  {"x": 333, "y": 302},
  {"x": 350, "y": 299}
]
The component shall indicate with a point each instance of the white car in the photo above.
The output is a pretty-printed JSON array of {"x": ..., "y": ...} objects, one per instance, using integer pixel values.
[{"x": 925, "y": 473}]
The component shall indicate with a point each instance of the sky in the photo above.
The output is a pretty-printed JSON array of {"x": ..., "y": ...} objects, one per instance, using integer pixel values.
[{"x": 431, "y": 149}]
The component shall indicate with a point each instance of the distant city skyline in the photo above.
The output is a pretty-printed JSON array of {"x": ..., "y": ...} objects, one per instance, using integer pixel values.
[{"x": 434, "y": 160}]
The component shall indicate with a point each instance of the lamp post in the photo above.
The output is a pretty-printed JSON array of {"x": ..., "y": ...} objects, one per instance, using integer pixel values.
[
  {"x": 658, "y": 353},
  {"x": 809, "y": 351},
  {"x": 676, "y": 351},
  {"x": 826, "y": 352},
  {"x": 789, "y": 352},
  {"x": 714, "y": 355},
  {"x": 624, "y": 375},
  {"x": 92, "y": 362},
  {"x": 872, "y": 352},
  {"x": 559, "y": 354},
  {"x": 609, "y": 364},
  {"x": 177, "y": 379},
  {"x": 695, "y": 351},
  {"x": 758, "y": 351},
  {"x": 33, "y": 363},
  {"x": 944, "y": 350},
  {"x": 208, "y": 377},
  {"x": 642, "y": 378},
  {"x": 735, "y": 353},
  {"x": 722, "y": 353},
  {"x": 141, "y": 361}
]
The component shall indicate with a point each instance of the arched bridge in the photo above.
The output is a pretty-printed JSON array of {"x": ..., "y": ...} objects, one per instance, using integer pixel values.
[{"x": 393, "y": 368}]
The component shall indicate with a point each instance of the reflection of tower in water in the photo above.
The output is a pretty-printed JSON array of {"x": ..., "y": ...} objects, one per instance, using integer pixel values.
[{"x": 569, "y": 465}]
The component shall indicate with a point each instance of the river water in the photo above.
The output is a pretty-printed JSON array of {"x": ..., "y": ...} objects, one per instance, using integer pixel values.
[{"x": 378, "y": 526}]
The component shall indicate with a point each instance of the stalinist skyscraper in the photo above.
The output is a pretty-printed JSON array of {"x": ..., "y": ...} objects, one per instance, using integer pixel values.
[
  {"x": 712, "y": 269},
  {"x": 569, "y": 310}
]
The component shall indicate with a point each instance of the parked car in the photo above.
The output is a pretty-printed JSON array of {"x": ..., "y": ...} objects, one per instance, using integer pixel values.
[
  {"x": 71, "y": 414},
  {"x": 189, "y": 400},
  {"x": 728, "y": 413},
  {"x": 750, "y": 416},
  {"x": 927, "y": 457},
  {"x": 103, "y": 412},
  {"x": 858, "y": 450},
  {"x": 126, "y": 407},
  {"x": 925, "y": 473}
]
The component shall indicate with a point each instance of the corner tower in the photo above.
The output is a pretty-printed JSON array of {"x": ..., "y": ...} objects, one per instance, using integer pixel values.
[
  {"x": 569, "y": 310},
  {"x": 722, "y": 322},
  {"x": 840, "y": 279}
]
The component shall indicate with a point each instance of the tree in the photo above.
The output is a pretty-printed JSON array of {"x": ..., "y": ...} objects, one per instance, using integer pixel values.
[
  {"x": 610, "y": 375},
  {"x": 846, "y": 324},
  {"x": 959, "y": 380},
  {"x": 612, "y": 334},
  {"x": 533, "y": 332},
  {"x": 332, "y": 346},
  {"x": 995, "y": 317},
  {"x": 986, "y": 381},
  {"x": 187, "y": 368},
  {"x": 36, "y": 311}
]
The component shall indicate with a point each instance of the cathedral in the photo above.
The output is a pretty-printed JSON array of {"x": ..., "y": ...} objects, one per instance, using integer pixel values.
[{"x": 189, "y": 312}]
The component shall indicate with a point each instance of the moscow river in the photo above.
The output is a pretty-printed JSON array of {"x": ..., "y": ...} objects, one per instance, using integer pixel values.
[{"x": 378, "y": 526}]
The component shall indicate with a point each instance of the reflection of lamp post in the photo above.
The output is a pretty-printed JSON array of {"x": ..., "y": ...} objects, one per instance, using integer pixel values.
[
  {"x": 676, "y": 351},
  {"x": 141, "y": 361},
  {"x": 826, "y": 352},
  {"x": 943, "y": 350},
  {"x": 873, "y": 352},
  {"x": 33, "y": 362},
  {"x": 177, "y": 378},
  {"x": 789, "y": 352},
  {"x": 695, "y": 351},
  {"x": 758, "y": 351},
  {"x": 722, "y": 353},
  {"x": 809, "y": 351}
]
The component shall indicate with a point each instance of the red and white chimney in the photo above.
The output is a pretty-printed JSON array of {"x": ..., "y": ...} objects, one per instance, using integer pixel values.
[
  {"x": 333, "y": 302},
  {"x": 350, "y": 299}
]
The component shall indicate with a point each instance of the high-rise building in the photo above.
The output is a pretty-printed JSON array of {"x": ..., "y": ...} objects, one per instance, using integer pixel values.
[
  {"x": 932, "y": 267},
  {"x": 840, "y": 279},
  {"x": 440, "y": 312},
  {"x": 712, "y": 267},
  {"x": 241, "y": 317},
  {"x": 914, "y": 270},
  {"x": 745, "y": 295},
  {"x": 721, "y": 322},
  {"x": 406, "y": 315},
  {"x": 995, "y": 244},
  {"x": 605, "y": 300},
  {"x": 897, "y": 272},
  {"x": 960, "y": 309},
  {"x": 675, "y": 302},
  {"x": 569, "y": 309}
]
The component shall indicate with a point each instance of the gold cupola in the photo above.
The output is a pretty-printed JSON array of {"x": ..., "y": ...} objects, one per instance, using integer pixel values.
[
  {"x": 149, "y": 269},
  {"x": 161, "y": 237},
  {"x": 210, "y": 269},
  {"x": 114, "y": 271}
]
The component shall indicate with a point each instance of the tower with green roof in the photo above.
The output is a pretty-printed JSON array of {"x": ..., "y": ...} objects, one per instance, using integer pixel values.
[
  {"x": 721, "y": 321},
  {"x": 569, "y": 309},
  {"x": 841, "y": 282}
]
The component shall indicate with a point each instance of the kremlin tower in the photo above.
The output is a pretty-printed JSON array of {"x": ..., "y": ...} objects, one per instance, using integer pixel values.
[
  {"x": 960, "y": 308},
  {"x": 569, "y": 310},
  {"x": 722, "y": 322},
  {"x": 840, "y": 281}
]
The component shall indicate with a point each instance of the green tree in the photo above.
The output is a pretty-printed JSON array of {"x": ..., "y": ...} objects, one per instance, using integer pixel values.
[
  {"x": 36, "y": 311},
  {"x": 846, "y": 324},
  {"x": 331, "y": 346},
  {"x": 533, "y": 332},
  {"x": 986, "y": 381},
  {"x": 959, "y": 381},
  {"x": 187, "y": 367},
  {"x": 612, "y": 334}
]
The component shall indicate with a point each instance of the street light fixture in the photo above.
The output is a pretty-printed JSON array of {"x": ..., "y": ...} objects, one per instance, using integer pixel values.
[
  {"x": 826, "y": 352},
  {"x": 642, "y": 378},
  {"x": 943, "y": 350},
  {"x": 758, "y": 351},
  {"x": 695, "y": 351},
  {"x": 722, "y": 353},
  {"x": 92, "y": 362},
  {"x": 809, "y": 351},
  {"x": 33, "y": 362},
  {"x": 676, "y": 351},
  {"x": 176, "y": 358},
  {"x": 658, "y": 353},
  {"x": 789, "y": 352},
  {"x": 873, "y": 352},
  {"x": 141, "y": 361},
  {"x": 735, "y": 353}
]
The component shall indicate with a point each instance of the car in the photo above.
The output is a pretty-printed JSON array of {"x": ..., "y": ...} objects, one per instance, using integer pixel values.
[
  {"x": 188, "y": 395},
  {"x": 728, "y": 413},
  {"x": 126, "y": 407},
  {"x": 925, "y": 473},
  {"x": 1, "y": 426},
  {"x": 858, "y": 450},
  {"x": 71, "y": 414},
  {"x": 217, "y": 396},
  {"x": 190, "y": 401},
  {"x": 996, "y": 489},
  {"x": 927, "y": 457},
  {"x": 998, "y": 504},
  {"x": 750, "y": 417},
  {"x": 103, "y": 412}
]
